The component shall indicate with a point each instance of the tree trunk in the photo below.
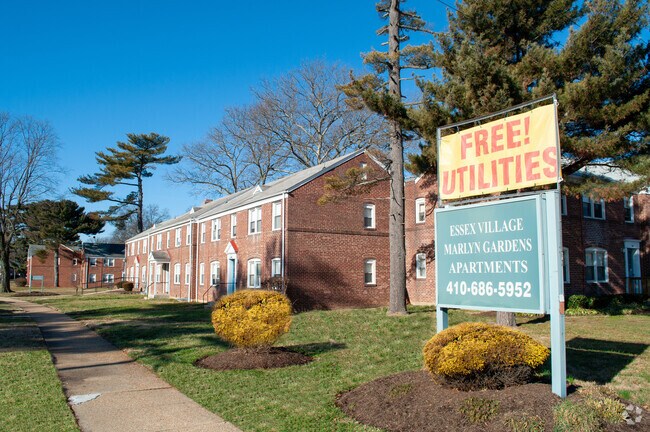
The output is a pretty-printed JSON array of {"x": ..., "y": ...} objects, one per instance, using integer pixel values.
[
  {"x": 4, "y": 270},
  {"x": 506, "y": 319},
  {"x": 397, "y": 302},
  {"x": 139, "y": 206},
  {"x": 56, "y": 267}
]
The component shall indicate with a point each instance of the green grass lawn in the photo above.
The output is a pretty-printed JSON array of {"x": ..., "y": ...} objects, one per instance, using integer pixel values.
[
  {"x": 350, "y": 346},
  {"x": 31, "y": 396}
]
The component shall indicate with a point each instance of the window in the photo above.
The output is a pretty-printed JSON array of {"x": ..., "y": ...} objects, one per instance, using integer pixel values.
[
  {"x": 277, "y": 215},
  {"x": 109, "y": 262},
  {"x": 188, "y": 235},
  {"x": 144, "y": 274},
  {"x": 369, "y": 216},
  {"x": 276, "y": 267},
  {"x": 369, "y": 271},
  {"x": 92, "y": 262},
  {"x": 233, "y": 226},
  {"x": 421, "y": 266},
  {"x": 178, "y": 237},
  {"x": 75, "y": 261},
  {"x": 93, "y": 277},
  {"x": 628, "y": 207},
  {"x": 593, "y": 209},
  {"x": 151, "y": 243},
  {"x": 420, "y": 210},
  {"x": 364, "y": 175},
  {"x": 216, "y": 229},
  {"x": 187, "y": 273},
  {"x": 255, "y": 220},
  {"x": 144, "y": 246},
  {"x": 177, "y": 274},
  {"x": 167, "y": 239},
  {"x": 74, "y": 277},
  {"x": 596, "y": 265},
  {"x": 138, "y": 248},
  {"x": 201, "y": 274},
  {"x": 108, "y": 278},
  {"x": 203, "y": 232},
  {"x": 254, "y": 273},
  {"x": 159, "y": 242},
  {"x": 214, "y": 273},
  {"x": 563, "y": 209},
  {"x": 158, "y": 269},
  {"x": 565, "y": 265}
]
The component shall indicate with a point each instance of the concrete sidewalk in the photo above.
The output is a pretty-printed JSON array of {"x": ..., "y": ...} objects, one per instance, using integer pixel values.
[{"x": 106, "y": 389}]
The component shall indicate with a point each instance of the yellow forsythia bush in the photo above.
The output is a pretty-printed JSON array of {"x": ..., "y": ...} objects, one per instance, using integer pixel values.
[
  {"x": 252, "y": 318},
  {"x": 467, "y": 351}
]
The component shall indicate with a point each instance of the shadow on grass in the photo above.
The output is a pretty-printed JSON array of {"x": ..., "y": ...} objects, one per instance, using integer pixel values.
[
  {"x": 170, "y": 312},
  {"x": 314, "y": 349},
  {"x": 600, "y": 360}
]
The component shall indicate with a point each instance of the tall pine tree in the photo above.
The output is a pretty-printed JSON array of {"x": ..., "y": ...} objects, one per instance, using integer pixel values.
[
  {"x": 54, "y": 223},
  {"x": 385, "y": 98},
  {"x": 128, "y": 164}
]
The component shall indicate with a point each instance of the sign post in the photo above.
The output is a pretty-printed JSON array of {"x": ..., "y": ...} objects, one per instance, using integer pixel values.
[{"x": 505, "y": 254}]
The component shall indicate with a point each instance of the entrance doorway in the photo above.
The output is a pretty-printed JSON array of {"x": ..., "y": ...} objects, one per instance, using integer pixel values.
[{"x": 231, "y": 279}]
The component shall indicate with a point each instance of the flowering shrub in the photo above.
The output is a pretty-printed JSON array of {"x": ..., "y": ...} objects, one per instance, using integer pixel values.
[
  {"x": 252, "y": 318},
  {"x": 479, "y": 355}
]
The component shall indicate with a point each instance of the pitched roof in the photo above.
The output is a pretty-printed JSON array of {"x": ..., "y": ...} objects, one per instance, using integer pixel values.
[
  {"x": 103, "y": 250},
  {"x": 251, "y": 195}
]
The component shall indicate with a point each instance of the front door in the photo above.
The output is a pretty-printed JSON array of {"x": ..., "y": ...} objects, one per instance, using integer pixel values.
[
  {"x": 632, "y": 267},
  {"x": 165, "y": 270},
  {"x": 232, "y": 274}
]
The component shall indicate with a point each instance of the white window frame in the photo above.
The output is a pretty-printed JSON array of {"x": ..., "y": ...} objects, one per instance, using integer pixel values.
[
  {"x": 421, "y": 266},
  {"x": 92, "y": 277},
  {"x": 108, "y": 278},
  {"x": 373, "y": 271},
  {"x": 420, "y": 202},
  {"x": 254, "y": 275},
  {"x": 177, "y": 239},
  {"x": 628, "y": 204},
  {"x": 371, "y": 207},
  {"x": 214, "y": 273},
  {"x": 158, "y": 241},
  {"x": 109, "y": 262},
  {"x": 202, "y": 232},
  {"x": 168, "y": 239},
  {"x": 216, "y": 229},
  {"x": 563, "y": 208},
  {"x": 177, "y": 274},
  {"x": 363, "y": 175},
  {"x": 233, "y": 225},
  {"x": 75, "y": 261},
  {"x": 594, "y": 253},
  {"x": 592, "y": 208},
  {"x": 145, "y": 243},
  {"x": 188, "y": 235},
  {"x": 132, "y": 249},
  {"x": 92, "y": 262},
  {"x": 255, "y": 220},
  {"x": 276, "y": 267},
  {"x": 201, "y": 274},
  {"x": 277, "y": 215},
  {"x": 74, "y": 277},
  {"x": 187, "y": 273},
  {"x": 566, "y": 274}
]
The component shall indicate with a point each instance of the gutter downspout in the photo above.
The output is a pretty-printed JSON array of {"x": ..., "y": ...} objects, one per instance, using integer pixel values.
[
  {"x": 284, "y": 215},
  {"x": 189, "y": 286}
]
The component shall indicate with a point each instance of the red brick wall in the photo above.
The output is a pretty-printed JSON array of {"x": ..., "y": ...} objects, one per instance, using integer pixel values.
[
  {"x": 45, "y": 267},
  {"x": 328, "y": 244}
]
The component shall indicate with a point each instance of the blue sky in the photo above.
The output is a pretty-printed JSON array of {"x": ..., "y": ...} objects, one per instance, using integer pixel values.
[{"x": 99, "y": 70}]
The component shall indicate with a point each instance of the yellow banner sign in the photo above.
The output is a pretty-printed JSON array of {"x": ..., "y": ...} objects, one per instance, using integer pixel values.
[{"x": 512, "y": 153}]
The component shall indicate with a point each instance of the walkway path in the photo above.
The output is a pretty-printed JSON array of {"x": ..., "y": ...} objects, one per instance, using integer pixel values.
[{"x": 106, "y": 389}]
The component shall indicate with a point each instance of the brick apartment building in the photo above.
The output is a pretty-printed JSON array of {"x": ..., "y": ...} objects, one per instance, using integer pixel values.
[
  {"x": 87, "y": 266},
  {"x": 325, "y": 256},
  {"x": 606, "y": 245}
]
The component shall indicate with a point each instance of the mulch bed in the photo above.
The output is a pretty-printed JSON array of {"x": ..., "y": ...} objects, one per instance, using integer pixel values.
[
  {"x": 412, "y": 401},
  {"x": 239, "y": 358},
  {"x": 35, "y": 294}
]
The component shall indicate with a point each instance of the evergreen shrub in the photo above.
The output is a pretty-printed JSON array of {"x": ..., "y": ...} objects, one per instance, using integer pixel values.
[
  {"x": 252, "y": 318},
  {"x": 473, "y": 356}
]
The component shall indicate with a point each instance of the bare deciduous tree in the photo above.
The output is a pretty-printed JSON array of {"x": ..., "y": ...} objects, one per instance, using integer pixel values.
[
  {"x": 296, "y": 121},
  {"x": 27, "y": 149},
  {"x": 151, "y": 214}
]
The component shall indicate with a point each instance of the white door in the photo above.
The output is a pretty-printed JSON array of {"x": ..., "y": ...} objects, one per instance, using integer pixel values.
[{"x": 632, "y": 267}]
